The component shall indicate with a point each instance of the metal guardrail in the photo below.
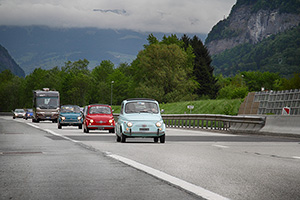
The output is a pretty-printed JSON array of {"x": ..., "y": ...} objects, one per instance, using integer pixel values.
[{"x": 213, "y": 122}]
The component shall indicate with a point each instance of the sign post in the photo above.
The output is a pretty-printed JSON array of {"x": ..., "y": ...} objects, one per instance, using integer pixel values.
[{"x": 190, "y": 107}]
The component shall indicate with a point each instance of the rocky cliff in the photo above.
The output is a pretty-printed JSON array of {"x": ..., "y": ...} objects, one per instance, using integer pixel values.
[{"x": 244, "y": 25}]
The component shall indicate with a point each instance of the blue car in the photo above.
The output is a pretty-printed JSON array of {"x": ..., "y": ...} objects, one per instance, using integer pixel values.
[
  {"x": 69, "y": 115},
  {"x": 140, "y": 118},
  {"x": 29, "y": 114}
]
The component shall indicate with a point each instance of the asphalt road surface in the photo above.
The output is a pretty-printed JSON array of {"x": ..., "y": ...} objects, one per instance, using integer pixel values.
[{"x": 39, "y": 161}]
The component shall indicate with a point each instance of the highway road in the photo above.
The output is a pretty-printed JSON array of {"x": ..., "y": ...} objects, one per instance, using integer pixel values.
[{"x": 40, "y": 161}]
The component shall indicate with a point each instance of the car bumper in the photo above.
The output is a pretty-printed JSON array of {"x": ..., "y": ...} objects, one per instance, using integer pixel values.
[
  {"x": 70, "y": 123},
  {"x": 150, "y": 134},
  {"x": 101, "y": 127}
]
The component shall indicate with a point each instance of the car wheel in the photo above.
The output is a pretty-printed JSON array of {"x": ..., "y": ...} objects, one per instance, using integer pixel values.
[
  {"x": 86, "y": 130},
  {"x": 59, "y": 126},
  {"x": 155, "y": 139},
  {"x": 112, "y": 130},
  {"x": 118, "y": 138},
  {"x": 162, "y": 138},
  {"x": 123, "y": 138},
  {"x": 80, "y": 126}
]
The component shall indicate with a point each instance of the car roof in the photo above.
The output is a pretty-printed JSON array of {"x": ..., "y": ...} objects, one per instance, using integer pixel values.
[
  {"x": 140, "y": 99},
  {"x": 69, "y": 105},
  {"x": 98, "y": 105}
]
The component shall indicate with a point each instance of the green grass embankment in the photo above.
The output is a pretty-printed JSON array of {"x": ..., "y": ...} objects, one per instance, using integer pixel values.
[{"x": 220, "y": 106}]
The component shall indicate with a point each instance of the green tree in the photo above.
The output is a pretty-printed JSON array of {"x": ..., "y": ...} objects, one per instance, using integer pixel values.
[
  {"x": 161, "y": 72},
  {"x": 202, "y": 70}
]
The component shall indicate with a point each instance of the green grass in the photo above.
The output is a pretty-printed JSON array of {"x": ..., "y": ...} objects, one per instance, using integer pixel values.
[{"x": 221, "y": 106}]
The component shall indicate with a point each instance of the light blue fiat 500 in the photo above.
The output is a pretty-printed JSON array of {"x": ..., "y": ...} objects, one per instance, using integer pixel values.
[{"x": 140, "y": 118}]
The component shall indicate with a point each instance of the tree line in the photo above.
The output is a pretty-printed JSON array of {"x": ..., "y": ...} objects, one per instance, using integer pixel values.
[{"x": 170, "y": 70}]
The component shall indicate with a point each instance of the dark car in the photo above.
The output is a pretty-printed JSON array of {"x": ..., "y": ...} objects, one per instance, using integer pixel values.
[
  {"x": 98, "y": 117},
  {"x": 69, "y": 115}
]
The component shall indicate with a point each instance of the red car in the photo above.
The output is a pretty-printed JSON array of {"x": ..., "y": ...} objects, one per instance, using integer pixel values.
[{"x": 98, "y": 117}]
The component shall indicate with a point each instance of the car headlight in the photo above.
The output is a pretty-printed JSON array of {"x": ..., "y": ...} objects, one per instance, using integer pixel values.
[
  {"x": 91, "y": 121},
  {"x": 111, "y": 121},
  {"x": 63, "y": 118},
  {"x": 158, "y": 124},
  {"x": 129, "y": 124},
  {"x": 79, "y": 118}
]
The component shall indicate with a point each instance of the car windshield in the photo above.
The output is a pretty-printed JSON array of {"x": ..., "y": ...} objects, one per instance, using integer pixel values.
[
  {"x": 70, "y": 109},
  {"x": 29, "y": 110},
  {"x": 99, "y": 110},
  {"x": 19, "y": 110},
  {"x": 47, "y": 102},
  {"x": 140, "y": 106}
]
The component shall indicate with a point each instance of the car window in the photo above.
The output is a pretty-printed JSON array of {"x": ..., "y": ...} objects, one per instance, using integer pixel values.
[
  {"x": 99, "y": 110},
  {"x": 70, "y": 109},
  {"x": 139, "y": 107}
]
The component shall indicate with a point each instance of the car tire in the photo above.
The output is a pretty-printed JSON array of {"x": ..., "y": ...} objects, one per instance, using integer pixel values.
[
  {"x": 162, "y": 138},
  {"x": 80, "y": 126},
  {"x": 112, "y": 130},
  {"x": 123, "y": 138},
  {"x": 86, "y": 129},
  {"x": 155, "y": 140},
  {"x": 118, "y": 138},
  {"x": 59, "y": 126}
]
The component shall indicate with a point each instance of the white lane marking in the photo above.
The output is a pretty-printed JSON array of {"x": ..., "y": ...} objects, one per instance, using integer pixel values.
[
  {"x": 171, "y": 179},
  {"x": 53, "y": 133},
  {"x": 296, "y": 157},
  {"x": 220, "y": 146},
  {"x": 33, "y": 125},
  {"x": 59, "y": 135}
]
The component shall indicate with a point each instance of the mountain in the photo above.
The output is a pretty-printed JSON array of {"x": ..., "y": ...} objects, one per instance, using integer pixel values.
[
  {"x": 40, "y": 46},
  {"x": 258, "y": 35},
  {"x": 251, "y": 21},
  {"x": 7, "y": 62}
]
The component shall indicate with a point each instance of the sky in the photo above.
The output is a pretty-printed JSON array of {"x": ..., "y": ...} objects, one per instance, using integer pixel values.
[{"x": 166, "y": 16}]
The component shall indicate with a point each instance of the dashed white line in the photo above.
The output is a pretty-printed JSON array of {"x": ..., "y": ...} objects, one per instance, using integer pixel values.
[
  {"x": 296, "y": 157},
  {"x": 171, "y": 179}
]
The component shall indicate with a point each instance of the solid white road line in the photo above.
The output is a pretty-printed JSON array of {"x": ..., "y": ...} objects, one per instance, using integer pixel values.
[
  {"x": 296, "y": 157},
  {"x": 59, "y": 135},
  {"x": 171, "y": 179},
  {"x": 159, "y": 174},
  {"x": 220, "y": 146}
]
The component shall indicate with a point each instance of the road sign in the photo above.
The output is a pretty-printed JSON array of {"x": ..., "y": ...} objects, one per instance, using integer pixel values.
[
  {"x": 286, "y": 111},
  {"x": 190, "y": 107}
]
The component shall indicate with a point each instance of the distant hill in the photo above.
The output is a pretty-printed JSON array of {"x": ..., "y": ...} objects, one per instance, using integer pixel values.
[
  {"x": 39, "y": 46},
  {"x": 7, "y": 62},
  {"x": 258, "y": 35}
]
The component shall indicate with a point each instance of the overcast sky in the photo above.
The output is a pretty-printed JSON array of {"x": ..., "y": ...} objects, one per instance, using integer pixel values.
[{"x": 167, "y": 16}]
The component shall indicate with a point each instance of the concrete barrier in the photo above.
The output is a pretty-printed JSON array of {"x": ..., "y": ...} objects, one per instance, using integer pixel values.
[{"x": 282, "y": 124}]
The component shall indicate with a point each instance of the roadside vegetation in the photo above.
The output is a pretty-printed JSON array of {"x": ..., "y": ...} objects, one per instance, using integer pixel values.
[{"x": 176, "y": 72}]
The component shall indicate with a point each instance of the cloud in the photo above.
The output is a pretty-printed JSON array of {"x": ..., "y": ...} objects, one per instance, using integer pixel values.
[{"x": 169, "y": 16}]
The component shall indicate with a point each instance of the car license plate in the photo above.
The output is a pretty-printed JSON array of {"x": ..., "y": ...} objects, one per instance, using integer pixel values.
[{"x": 144, "y": 129}]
